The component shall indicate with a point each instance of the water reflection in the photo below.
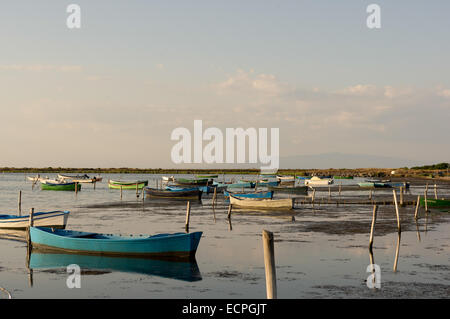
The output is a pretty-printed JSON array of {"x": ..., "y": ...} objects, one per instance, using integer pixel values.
[
  {"x": 397, "y": 251},
  {"x": 186, "y": 271}
]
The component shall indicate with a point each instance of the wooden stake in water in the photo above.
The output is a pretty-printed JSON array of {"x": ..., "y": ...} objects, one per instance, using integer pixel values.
[
  {"x": 137, "y": 188},
  {"x": 214, "y": 197},
  {"x": 76, "y": 188},
  {"x": 374, "y": 218},
  {"x": 121, "y": 192},
  {"x": 396, "y": 211},
  {"x": 20, "y": 203},
  {"x": 435, "y": 192},
  {"x": 417, "y": 207},
  {"x": 188, "y": 213},
  {"x": 397, "y": 252},
  {"x": 401, "y": 196},
  {"x": 30, "y": 224},
  {"x": 426, "y": 203},
  {"x": 269, "y": 264},
  {"x": 229, "y": 211}
]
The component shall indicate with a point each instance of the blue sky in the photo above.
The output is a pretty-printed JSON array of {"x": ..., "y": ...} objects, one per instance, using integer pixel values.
[{"x": 136, "y": 70}]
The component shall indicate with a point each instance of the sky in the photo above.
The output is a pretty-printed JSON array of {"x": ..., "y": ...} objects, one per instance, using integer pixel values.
[{"x": 110, "y": 93}]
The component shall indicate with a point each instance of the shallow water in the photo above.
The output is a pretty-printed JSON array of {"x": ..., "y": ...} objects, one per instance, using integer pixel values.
[{"x": 320, "y": 252}]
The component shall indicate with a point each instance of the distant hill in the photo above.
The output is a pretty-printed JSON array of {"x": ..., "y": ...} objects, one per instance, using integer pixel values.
[{"x": 340, "y": 160}]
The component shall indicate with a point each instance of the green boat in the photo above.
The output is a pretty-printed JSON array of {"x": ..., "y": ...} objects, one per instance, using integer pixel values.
[
  {"x": 59, "y": 186},
  {"x": 207, "y": 176},
  {"x": 435, "y": 202},
  {"x": 127, "y": 185},
  {"x": 342, "y": 177}
]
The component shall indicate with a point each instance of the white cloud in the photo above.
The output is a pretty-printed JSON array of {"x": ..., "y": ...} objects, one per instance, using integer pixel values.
[
  {"x": 245, "y": 82},
  {"x": 359, "y": 90}
]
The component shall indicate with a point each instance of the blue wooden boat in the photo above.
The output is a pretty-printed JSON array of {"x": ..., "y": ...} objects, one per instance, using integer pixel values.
[
  {"x": 268, "y": 194},
  {"x": 56, "y": 219},
  {"x": 181, "y": 270},
  {"x": 162, "y": 245},
  {"x": 304, "y": 177},
  {"x": 399, "y": 184},
  {"x": 204, "y": 189},
  {"x": 268, "y": 183}
]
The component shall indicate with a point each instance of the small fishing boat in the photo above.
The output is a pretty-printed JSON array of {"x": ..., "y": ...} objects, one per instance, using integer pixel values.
[
  {"x": 317, "y": 181},
  {"x": 303, "y": 177},
  {"x": 435, "y": 202},
  {"x": 207, "y": 176},
  {"x": 204, "y": 189},
  {"x": 285, "y": 178},
  {"x": 374, "y": 185},
  {"x": 289, "y": 190},
  {"x": 70, "y": 241},
  {"x": 57, "y": 219},
  {"x": 342, "y": 177},
  {"x": 250, "y": 195},
  {"x": 56, "y": 185},
  {"x": 168, "y": 178},
  {"x": 186, "y": 270},
  {"x": 194, "y": 194},
  {"x": 80, "y": 178},
  {"x": 127, "y": 185},
  {"x": 262, "y": 203}
]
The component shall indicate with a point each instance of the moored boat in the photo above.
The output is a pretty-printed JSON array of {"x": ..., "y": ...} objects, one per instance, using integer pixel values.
[
  {"x": 163, "y": 245},
  {"x": 56, "y": 219},
  {"x": 285, "y": 203},
  {"x": 342, "y": 177},
  {"x": 55, "y": 185},
  {"x": 435, "y": 202},
  {"x": 235, "y": 185},
  {"x": 250, "y": 194},
  {"x": 374, "y": 185},
  {"x": 80, "y": 178},
  {"x": 317, "y": 181},
  {"x": 174, "y": 194},
  {"x": 127, "y": 184}
]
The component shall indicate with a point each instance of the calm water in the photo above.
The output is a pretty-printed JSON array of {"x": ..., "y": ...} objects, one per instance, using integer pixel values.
[{"x": 320, "y": 252}]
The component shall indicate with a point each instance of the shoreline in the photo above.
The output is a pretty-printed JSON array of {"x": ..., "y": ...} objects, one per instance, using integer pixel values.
[{"x": 357, "y": 172}]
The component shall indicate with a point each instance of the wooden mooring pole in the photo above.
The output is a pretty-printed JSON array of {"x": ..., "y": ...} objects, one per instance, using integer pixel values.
[
  {"x": 269, "y": 265},
  {"x": 121, "y": 192},
  {"x": 397, "y": 252},
  {"x": 435, "y": 192},
  {"x": 229, "y": 211},
  {"x": 374, "y": 218},
  {"x": 426, "y": 203},
  {"x": 188, "y": 213},
  {"x": 417, "y": 207},
  {"x": 20, "y": 203},
  {"x": 396, "y": 211}
]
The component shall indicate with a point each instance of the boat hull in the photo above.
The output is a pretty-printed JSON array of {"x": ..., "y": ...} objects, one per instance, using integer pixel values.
[
  {"x": 286, "y": 203},
  {"x": 127, "y": 185},
  {"x": 193, "y": 194},
  {"x": 56, "y": 219},
  {"x": 435, "y": 202},
  {"x": 268, "y": 195},
  {"x": 164, "y": 245},
  {"x": 60, "y": 187}
]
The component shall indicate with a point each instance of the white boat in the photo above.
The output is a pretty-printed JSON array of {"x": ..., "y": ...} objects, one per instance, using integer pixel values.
[
  {"x": 285, "y": 203},
  {"x": 80, "y": 178},
  {"x": 56, "y": 219},
  {"x": 317, "y": 181},
  {"x": 168, "y": 179}
]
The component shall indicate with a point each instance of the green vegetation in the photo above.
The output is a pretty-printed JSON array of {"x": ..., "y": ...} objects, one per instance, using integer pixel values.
[{"x": 433, "y": 167}]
